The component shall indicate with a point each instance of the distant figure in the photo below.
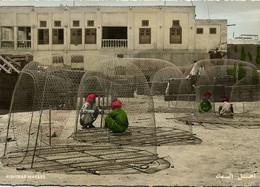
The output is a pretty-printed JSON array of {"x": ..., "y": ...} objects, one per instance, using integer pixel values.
[
  {"x": 205, "y": 104},
  {"x": 197, "y": 71},
  {"x": 136, "y": 93},
  {"x": 116, "y": 120},
  {"x": 201, "y": 70},
  {"x": 167, "y": 89},
  {"x": 226, "y": 109},
  {"x": 89, "y": 112}
]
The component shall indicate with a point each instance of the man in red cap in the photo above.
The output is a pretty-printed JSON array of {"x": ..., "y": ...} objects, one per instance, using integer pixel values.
[
  {"x": 88, "y": 112},
  {"x": 116, "y": 120},
  {"x": 226, "y": 109}
]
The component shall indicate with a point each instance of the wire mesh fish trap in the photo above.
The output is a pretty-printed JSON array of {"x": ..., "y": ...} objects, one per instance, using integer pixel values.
[
  {"x": 87, "y": 159},
  {"x": 45, "y": 112},
  {"x": 138, "y": 137},
  {"x": 41, "y": 107},
  {"x": 116, "y": 79},
  {"x": 232, "y": 80}
]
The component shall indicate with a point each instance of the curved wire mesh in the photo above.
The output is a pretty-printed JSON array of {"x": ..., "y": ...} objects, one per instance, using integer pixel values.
[
  {"x": 41, "y": 107},
  {"x": 119, "y": 79},
  {"x": 44, "y": 112},
  {"x": 236, "y": 80}
]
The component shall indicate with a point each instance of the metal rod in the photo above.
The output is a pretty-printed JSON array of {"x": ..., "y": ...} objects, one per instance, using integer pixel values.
[
  {"x": 107, "y": 99},
  {"x": 11, "y": 108},
  {"x": 102, "y": 114},
  {"x": 50, "y": 126},
  {"x": 36, "y": 141}
]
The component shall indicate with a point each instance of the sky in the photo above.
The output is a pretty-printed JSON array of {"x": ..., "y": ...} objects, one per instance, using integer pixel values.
[{"x": 245, "y": 14}]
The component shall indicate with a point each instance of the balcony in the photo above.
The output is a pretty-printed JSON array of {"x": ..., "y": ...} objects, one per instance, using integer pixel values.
[
  {"x": 116, "y": 43},
  {"x": 7, "y": 44},
  {"x": 24, "y": 44}
]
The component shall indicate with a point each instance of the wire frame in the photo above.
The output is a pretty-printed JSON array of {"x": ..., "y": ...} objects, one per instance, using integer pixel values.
[
  {"x": 45, "y": 105},
  {"x": 119, "y": 79},
  {"x": 44, "y": 117},
  {"x": 162, "y": 77},
  {"x": 223, "y": 78},
  {"x": 41, "y": 108}
]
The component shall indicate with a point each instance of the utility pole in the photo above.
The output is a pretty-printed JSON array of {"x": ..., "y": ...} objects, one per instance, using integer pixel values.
[{"x": 230, "y": 25}]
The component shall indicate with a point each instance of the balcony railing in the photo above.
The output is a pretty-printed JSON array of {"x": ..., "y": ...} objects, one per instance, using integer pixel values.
[
  {"x": 114, "y": 43},
  {"x": 24, "y": 44},
  {"x": 7, "y": 44}
]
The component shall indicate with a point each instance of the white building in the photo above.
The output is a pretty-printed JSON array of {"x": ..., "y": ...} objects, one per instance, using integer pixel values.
[
  {"x": 245, "y": 39},
  {"x": 166, "y": 32}
]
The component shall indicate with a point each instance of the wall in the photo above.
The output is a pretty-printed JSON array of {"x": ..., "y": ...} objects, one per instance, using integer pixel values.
[
  {"x": 250, "y": 50},
  {"x": 160, "y": 21},
  {"x": 206, "y": 40}
]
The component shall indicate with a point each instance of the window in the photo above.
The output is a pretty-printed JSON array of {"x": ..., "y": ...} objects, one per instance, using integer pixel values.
[
  {"x": 90, "y": 36},
  {"x": 24, "y": 37},
  {"x": 77, "y": 59},
  {"x": 76, "y": 23},
  {"x": 57, "y": 59},
  {"x": 90, "y": 23},
  {"x": 7, "y": 37},
  {"x": 175, "y": 32},
  {"x": 43, "y": 36},
  {"x": 175, "y": 35},
  {"x": 212, "y": 31},
  {"x": 145, "y": 23},
  {"x": 199, "y": 30},
  {"x": 24, "y": 33},
  {"x": 58, "y": 36},
  {"x": 175, "y": 22},
  {"x": 57, "y": 23},
  {"x": 76, "y": 36},
  {"x": 43, "y": 23},
  {"x": 144, "y": 35},
  {"x": 77, "y": 69}
]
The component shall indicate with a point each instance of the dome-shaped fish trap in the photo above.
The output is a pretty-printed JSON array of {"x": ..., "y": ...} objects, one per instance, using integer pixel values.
[
  {"x": 43, "y": 102},
  {"x": 245, "y": 94},
  {"x": 166, "y": 92},
  {"x": 45, "y": 111},
  {"x": 118, "y": 79},
  {"x": 218, "y": 83},
  {"x": 112, "y": 81},
  {"x": 158, "y": 74}
]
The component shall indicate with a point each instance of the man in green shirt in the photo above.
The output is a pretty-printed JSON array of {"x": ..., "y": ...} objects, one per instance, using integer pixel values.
[
  {"x": 116, "y": 120},
  {"x": 205, "y": 104}
]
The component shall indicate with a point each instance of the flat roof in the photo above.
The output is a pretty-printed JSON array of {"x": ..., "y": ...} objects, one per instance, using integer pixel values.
[
  {"x": 141, "y": 6},
  {"x": 209, "y": 20}
]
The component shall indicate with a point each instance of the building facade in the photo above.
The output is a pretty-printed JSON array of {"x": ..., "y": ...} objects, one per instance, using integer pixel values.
[{"x": 51, "y": 34}]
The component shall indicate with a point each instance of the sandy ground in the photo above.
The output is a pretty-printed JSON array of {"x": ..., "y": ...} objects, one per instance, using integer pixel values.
[{"x": 227, "y": 156}]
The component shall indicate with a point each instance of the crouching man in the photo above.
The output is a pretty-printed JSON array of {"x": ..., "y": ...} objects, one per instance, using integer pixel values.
[
  {"x": 226, "y": 109},
  {"x": 89, "y": 112},
  {"x": 205, "y": 104},
  {"x": 116, "y": 120}
]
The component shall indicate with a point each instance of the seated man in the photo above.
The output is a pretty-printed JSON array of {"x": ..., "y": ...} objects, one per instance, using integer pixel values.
[
  {"x": 226, "y": 109},
  {"x": 116, "y": 120},
  {"x": 89, "y": 112},
  {"x": 205, "y": 104}
]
